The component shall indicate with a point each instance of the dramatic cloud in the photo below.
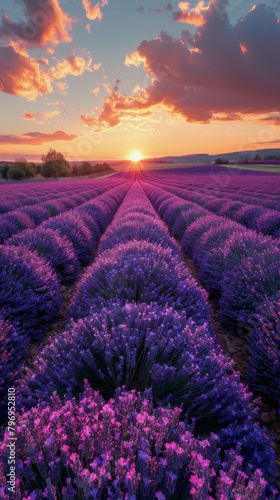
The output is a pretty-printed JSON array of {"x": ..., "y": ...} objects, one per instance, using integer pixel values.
[
  {"x": 45, "y": 23},
  {"x": 42, "y": 116},
  {"x": 72, "y": 66},
  {"x": 117, "y": 105},
  {"x": 189, "y": 15},
  {"x": 93, "y": 11},
  {"x": 20, "y": 74},
  {"x": 222, "y": 71},
  {"x": 36, "y": 138}
]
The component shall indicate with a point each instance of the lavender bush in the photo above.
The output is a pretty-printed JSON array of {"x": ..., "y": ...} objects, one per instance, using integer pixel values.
[
  {"x": 57, "y": 250},
  {"x": 247, "y": 285},
  {"x": 196, "y": 229},
  {"x": 12, "y": 352},
  {"x": 141, "y": 346},
  {"x": 150, "y": 231},
  {"x": 13, "y": 222},
  {"x": 71, "y": 225},
  {"x": 29, "y": 288},
  {"x": 263, "y": 344},
  {"x": 121, "y": 449},
  {"x": 140, "y": 272}
]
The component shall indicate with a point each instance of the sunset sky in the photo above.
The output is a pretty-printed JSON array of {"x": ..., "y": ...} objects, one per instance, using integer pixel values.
[{"x": 97, "y": 81}]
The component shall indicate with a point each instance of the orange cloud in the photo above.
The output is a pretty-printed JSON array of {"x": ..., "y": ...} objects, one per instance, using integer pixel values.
[
  {"x": 45, "y": 23},
  {"x": 21, "y": 74},
  {"x": 36, "y": 138},
  {"x": 72, "y": 66},
  {"x": 42, "y": 116},
  {"x": 87, "y": 120},
  {"x": 96, "y": 66},
  {"x": 94, "y": 12},
  {"x": 116, "y": 106},
  {"x": 29, "y": 116},
  {"x": 194, "y": 15},
  {"x": 206, "y": 76},
  {"x": 62, "y": 87},
  {"x": 95, "y": 91}
]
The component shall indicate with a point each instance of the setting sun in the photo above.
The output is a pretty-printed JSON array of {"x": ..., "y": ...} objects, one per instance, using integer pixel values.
[{"x": 136, "y": 156}]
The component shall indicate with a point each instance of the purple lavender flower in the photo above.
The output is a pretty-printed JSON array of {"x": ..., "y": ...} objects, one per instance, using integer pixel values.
[
  {"x": 57, "y": 250},
  {"x": 120, "y": 448},
  {"x": 29, "y": 289},
  {"x": 140, "y": 272}
]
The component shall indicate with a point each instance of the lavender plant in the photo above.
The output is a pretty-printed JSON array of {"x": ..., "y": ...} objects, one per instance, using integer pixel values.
[
  {"x": 140, "y": 272},
  {"x": 29, "y": 289},
  {"x": 120, "y": 449},
  {"x": 12, "y": 352},
  {"x": 263, "y": 344},
  {"x": 57, "y": 250}
]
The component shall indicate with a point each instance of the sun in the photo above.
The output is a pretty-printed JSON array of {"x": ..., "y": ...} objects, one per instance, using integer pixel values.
[{"x": 136, "y": 156}]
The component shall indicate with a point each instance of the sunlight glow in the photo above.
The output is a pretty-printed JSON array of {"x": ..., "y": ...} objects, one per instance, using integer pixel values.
[{"x": 136, "y": 156}]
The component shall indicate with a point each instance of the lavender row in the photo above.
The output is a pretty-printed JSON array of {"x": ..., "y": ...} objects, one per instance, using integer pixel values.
[
  {"x": 252, "y": 197},
  {"x": 256, "y": 217},
  {"x": 260, "y": 185},
  {"x": 242, "y": 268},
  {"x": 135, "y": 334},
  {"x": 18, "y": 196},
  {"x": 30, "y": 217},
  {"x": 35, "y": 263}
]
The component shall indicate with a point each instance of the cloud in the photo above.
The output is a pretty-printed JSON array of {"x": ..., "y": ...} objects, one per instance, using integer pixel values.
[
  {"x": 194, "y": 15},
  {"x": 93, "y": 11},
  {"x": 45, "y": 23},
  {"x": 29, "y": 116},
  {"x": 97, "y": 66},
  {"x": 42, "y": 116},
  {"x": 56, "y": 103},
  {"x": 206, "y": 74},
  {"x": 117, "y": 105},
  {"x": 72, "y": 66},
  {"x": 140, "y": 9},
  {"x": 95, "y": 91},
  {"x": 62, "y": 87},
  {"x": 36, "y": 138},
  {"x": 87, "y": 120},
  {"x": 21, "y": 74}
]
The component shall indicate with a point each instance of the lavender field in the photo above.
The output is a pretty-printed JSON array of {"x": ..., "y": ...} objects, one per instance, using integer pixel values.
[{"x": 140, "y": 336}]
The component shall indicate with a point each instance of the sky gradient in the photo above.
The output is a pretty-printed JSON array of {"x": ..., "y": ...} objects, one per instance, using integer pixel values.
[{"x": 100, "y": 80}]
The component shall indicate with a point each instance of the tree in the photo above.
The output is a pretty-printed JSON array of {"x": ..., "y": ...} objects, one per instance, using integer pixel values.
[
  {"x": 55, "y": 165},
  {"x": 21, "y": 169},
  {"x": 221, "y": 161},
  {"x": 86, "y": 168},
  {"x": 4, "y": 169}
]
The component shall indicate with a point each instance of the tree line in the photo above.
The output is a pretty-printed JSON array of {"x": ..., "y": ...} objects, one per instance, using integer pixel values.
[{"x": 53, "y": 165}]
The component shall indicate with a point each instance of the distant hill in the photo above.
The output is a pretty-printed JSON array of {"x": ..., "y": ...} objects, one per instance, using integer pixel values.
[{"x": 233, "y": 156}]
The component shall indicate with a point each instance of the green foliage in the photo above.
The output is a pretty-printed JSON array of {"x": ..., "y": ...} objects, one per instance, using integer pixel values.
[
  {"x": 4, "y": 169},
  {"x": 87, "y": 169},
  {"x": 21, "y": 169},
  {"x": 55, "y": 165}
]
